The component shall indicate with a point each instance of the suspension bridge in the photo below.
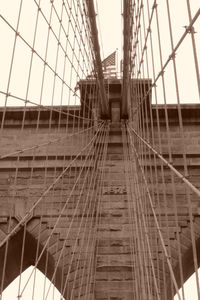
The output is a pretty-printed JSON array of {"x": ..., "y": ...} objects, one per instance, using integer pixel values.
[{"x": 99, "y": 179}]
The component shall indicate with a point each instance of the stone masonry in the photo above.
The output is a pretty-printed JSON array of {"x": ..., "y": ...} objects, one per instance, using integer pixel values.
[{"x": 37, "y": 168}]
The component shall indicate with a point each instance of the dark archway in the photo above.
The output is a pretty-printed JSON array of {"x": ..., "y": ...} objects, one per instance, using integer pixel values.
[
  {"x": 30, "y": 250},
  {"x": 187, "y": 265}
]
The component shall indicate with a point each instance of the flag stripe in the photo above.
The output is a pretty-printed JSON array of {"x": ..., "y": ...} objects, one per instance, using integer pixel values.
[
  {"x": 110, "y": 60},
  {"x": 109, "y": 66}
]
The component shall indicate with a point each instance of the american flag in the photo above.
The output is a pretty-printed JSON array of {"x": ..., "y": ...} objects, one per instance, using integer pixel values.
[
  {"x": 110, "y": 60},
  {"x": 109, "y": 66}
]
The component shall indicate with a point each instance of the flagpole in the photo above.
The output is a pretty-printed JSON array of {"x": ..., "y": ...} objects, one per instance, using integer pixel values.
[
  {"x": 108, "y": 90},
  {"x": 117, "y": 61}
]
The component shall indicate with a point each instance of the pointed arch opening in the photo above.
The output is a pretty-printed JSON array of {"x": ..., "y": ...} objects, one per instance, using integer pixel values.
[
  {"x": 13, "y": 261},
  {"x": 190, "y": 289},
  {"x": 36, "y": 288}
]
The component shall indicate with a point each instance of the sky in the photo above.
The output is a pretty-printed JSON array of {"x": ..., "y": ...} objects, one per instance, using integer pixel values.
[
  {"x": 190, "y": 290},
  {"x": 110, "y": 27},
  {"x": 27, "y": 73},
  {"x": 109, "y": 21},
  {"x": 41, "y": 284}
]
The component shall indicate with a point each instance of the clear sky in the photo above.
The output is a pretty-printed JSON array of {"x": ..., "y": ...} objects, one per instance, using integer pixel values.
[
  {"x": 41, "y": 284},
  {"x": 190, "y": 290},
  {"x": 109, "y": 20},
  {"x": 110, "y": 17}
]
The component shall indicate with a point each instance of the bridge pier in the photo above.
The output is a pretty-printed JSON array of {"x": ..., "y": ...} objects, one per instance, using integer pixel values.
[{"x": 112, "y": 265}]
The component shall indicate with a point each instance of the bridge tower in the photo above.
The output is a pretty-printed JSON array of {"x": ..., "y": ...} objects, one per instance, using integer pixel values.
[{"x": 99, "y": 175}]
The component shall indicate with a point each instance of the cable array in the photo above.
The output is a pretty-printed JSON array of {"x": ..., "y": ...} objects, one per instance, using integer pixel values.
[
  {"x": 158, "y": 133},
  {"x": 57, "y": 160},
  {"x": 104, "y": 208}
]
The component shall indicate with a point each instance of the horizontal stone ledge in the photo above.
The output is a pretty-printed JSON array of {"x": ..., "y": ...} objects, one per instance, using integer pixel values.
[
  {"x": 111, "y": 267},
  {"x": 173, "y": 155},
  {"x": 182, "y": 211},
  {"x": 66, "y": 157},
  {"x": 111, "y": 143},
  {"x": 121, "y": 286},
  {"x": 3, "y": 220},
  {"x": 110, "y": 250},
  {"x": 49, "y": 164},
  {"x": 28, "y": 125},
  {"x": 177, "y": 163},
  {"x": 175, "y": 122},
  {"x": 46, "y": 112},
  {"x": 55, "y": 213}
]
